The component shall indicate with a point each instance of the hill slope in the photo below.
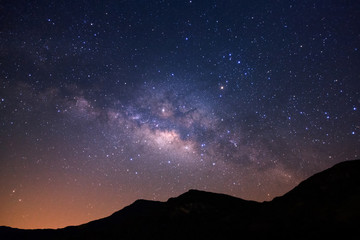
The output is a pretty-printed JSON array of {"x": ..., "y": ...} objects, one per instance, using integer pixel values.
[{"x": 325, "y": 205}]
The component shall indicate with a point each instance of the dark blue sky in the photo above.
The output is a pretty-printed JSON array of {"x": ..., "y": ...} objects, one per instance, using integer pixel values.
[{"x": 105, "y": 102}]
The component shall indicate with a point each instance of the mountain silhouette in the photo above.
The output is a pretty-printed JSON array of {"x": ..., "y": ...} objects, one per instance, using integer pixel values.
[{"x": 326, "y": 205}]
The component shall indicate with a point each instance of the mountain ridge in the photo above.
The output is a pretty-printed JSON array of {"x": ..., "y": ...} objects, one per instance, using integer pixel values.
[{"x": 324, "y": 205}]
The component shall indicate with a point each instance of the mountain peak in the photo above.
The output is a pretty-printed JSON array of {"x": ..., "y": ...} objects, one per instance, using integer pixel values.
[
  {"x": 333, "y": 183},
  {"x": 323, "y": 206},
  {"x": 194, "y": 195}
]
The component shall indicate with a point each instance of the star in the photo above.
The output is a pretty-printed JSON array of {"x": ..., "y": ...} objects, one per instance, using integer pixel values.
[{"x": 107, "y": 103}]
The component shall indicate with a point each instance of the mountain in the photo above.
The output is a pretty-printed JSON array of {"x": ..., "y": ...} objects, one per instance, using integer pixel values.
[{"x": 326, "y": 205}]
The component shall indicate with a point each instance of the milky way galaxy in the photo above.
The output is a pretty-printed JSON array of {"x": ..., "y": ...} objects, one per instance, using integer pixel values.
[{"x": 106, "y": 102}]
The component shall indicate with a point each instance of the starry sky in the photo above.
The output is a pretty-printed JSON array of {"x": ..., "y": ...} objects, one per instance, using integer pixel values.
[{"x": 106, "y": 102}]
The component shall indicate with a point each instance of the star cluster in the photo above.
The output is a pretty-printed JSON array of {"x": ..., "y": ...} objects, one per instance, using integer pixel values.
[{"x": 106, "y": 102}]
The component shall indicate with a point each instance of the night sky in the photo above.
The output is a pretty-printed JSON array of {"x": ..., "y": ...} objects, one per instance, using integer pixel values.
[{"x": 106, "y": 102}]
